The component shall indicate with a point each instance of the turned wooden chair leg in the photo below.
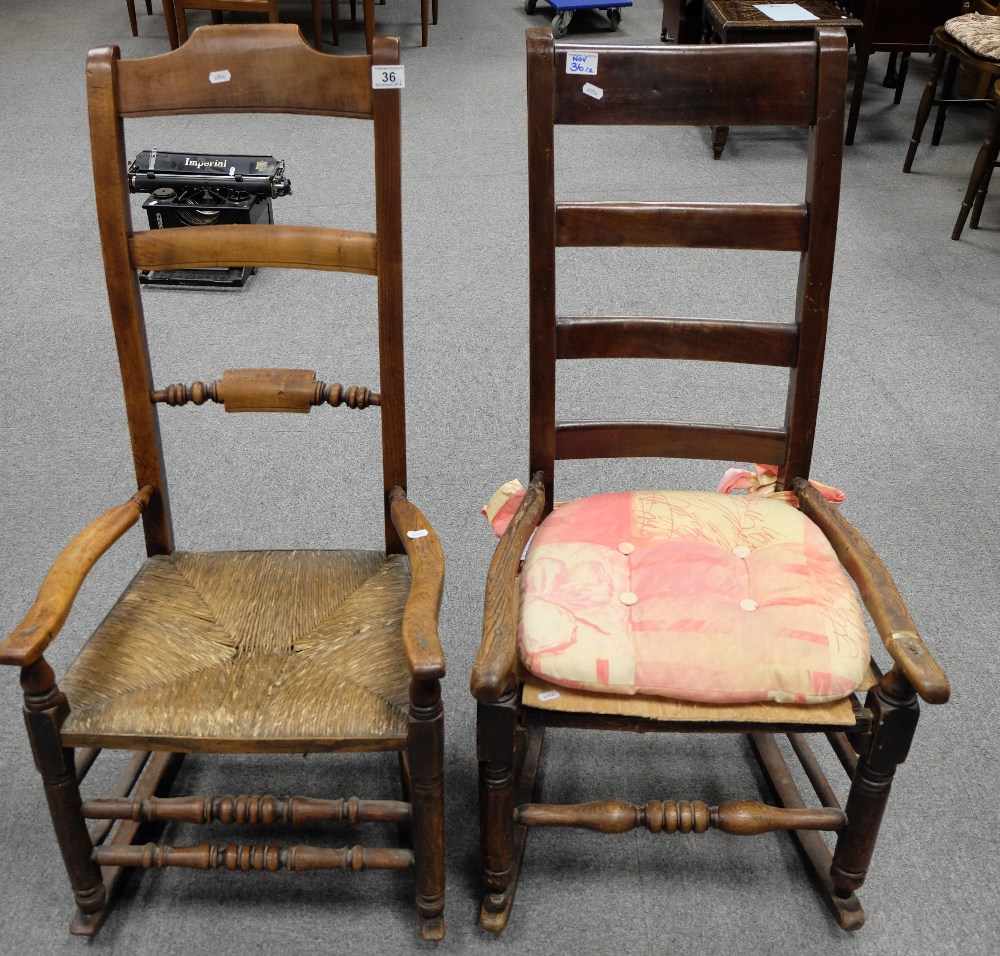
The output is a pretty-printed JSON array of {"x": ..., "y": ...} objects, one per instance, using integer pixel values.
[
  {"x": 317, "y": 13},
  {"x": 170, "y": 18},
  {"x": 45, "y": 709},
  {"x": 434, "y": 12},
  {"x": 977, "y": 206},
  {"x": 891, "y": 77},
  {"x": 947, "y": 92},
  {"x": 894, "y": 706},
  {"x": 132, "y": 22},
  {"x": 904, "y": 66},
  {"x": 982, "y": 171},
  {"x": 368, "y": 12},
  {"x": 924, "y": 110},
  {"x": 859, "y": 90},
  {"x": 426, "y": 763},
  {"x": 425, "y": 12},
  {"x": 497, "y": 738}
]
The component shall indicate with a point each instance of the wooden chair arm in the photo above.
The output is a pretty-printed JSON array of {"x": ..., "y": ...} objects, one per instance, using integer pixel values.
[
  {"x": 28, "y": 641},
  {"x": 420, "y": 619},
  {"x": 493, "y": 674},
  {"x": 880, "y": 595}
]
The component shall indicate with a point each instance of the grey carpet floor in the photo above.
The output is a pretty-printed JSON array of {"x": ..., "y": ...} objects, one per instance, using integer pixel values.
[{"x": 908, "y": 428}]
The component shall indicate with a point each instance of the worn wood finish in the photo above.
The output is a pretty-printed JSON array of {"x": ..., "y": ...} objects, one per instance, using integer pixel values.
[
  {"x": 812, "y": 302},
  {"x": 389, "y": 225},
  {"x": 889, "y": 613},
  {"x": 247, "y": 809},
  {"x": 494, "y": 671},
  {"x": 700, "y": 89},
  {"x": 243, "y": 652},
  {"x": 268, "y": 390},
  {"x": 426, "y": 560},
  {"x": 257, "y": 857},
  {"x": 160, "y": 771},
  {"x": 502, "y": 786},
  {"x": 268, "y": 246},
  {"x": 683, "y": 225},
  {"x": 737, "y": 817},
  {"x": 756, "y": 343},
  {"x": 178, "y": 83},
  {"x": 107, "y": 145},
  {"x": 28, "y": 641},
  {"x": 801, "y": 84},
  {"x": 668, "y": 440},
  {"x": 846, "y": 908}
]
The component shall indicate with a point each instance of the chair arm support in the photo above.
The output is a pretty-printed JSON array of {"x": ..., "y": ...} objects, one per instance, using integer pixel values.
[
  {"x": 420, "y": 618},
  {"x": 28, "y": 641},
  {"x": 881, "y": 597},
  {"x": 493, "y": 674}
]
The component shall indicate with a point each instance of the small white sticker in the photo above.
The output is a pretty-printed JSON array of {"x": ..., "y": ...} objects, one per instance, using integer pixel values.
[
  {"x": 388, "y": 78},
  {"x": 582, "y": 64},
  {"x": 595, "y": 91},
  {"x": 220, "y": 76},
  {"x": 548, "y": 695},
  {"x": 422, "y": 533}
]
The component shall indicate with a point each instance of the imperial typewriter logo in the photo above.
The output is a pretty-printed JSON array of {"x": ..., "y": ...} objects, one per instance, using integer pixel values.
[{"x": 200, "y": 163}]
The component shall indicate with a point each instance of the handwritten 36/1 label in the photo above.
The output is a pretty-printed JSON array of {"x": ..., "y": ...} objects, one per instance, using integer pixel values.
[
  {"x": 387, "y": 78},
  {"x": 582, "y": 64},
  {"x": 219, "y": 76}
]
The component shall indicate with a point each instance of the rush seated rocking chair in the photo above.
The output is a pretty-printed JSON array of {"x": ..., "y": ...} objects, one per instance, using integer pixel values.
[
  {"x": 690, "y": 611},
  {"x": 244, "y": 652}
]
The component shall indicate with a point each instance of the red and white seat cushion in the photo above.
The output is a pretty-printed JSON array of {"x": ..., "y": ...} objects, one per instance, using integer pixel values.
[{"x": 692, "y": 595}]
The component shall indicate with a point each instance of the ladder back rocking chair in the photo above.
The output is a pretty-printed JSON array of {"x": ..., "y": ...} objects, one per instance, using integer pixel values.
[
  {"x": 245, "y": 652},
  {"x": 691, "y": 611}
]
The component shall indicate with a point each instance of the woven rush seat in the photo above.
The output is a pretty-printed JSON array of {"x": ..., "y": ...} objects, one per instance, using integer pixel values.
[
  {"x": 976, "y": 32},
  {"x": 206, "y": 648}
]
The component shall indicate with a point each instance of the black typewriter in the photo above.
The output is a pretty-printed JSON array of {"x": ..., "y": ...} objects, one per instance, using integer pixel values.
[{"x": 199, "y": 189}]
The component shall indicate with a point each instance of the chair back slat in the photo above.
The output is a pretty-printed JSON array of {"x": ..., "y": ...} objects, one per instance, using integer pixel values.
[
  {"x": 789, "y": 84},
  {"x": 751, "y": 343},
  {"x": 259, "y": 68},
  {"x": 220, "y": 73},
  {"x": 717, "y": 86},
  {"x": 282, "y": 247},
  {"x": 668, "y": 440},
  {"x": 687, "y": 225}
]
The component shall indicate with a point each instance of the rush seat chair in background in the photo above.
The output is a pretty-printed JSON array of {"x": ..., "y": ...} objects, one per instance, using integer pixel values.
[
  {"x": 690, "y": 611},
  {"x": 245, "y": 652}
]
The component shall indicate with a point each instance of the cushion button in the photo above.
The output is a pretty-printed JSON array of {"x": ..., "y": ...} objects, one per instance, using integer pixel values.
[
  {"x": 628, "y": 598},
  {"x": 741, "y": 551},
  {"x": 748, "y": 604},
  {"x": 626, "y": 547}
]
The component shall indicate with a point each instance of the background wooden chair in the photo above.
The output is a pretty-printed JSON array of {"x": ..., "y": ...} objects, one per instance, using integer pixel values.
[
  {"x": 251, "y": 652},
  {"x": 526, "y": 627},
  {"x": 982, "y": 172},
  {"x": 969, "y": 43},
  {"x": 132, "y": 21},
  {"x": 897, "y": 27},
  {"x": 176, "y": 16},
  {"x": 428, "y": 14}
]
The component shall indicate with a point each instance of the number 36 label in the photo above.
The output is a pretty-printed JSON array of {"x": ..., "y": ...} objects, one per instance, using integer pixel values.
[{"x": 387, "y": 78}]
